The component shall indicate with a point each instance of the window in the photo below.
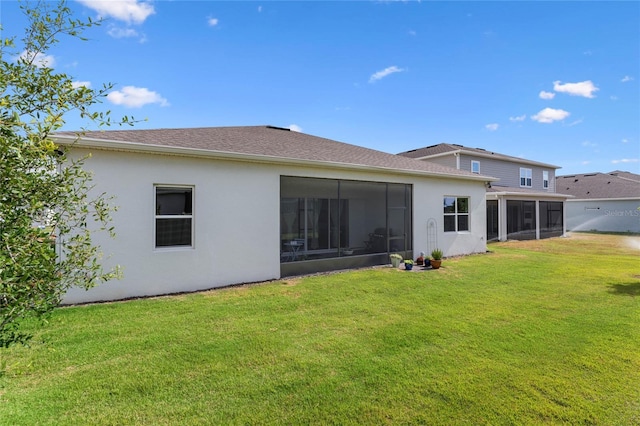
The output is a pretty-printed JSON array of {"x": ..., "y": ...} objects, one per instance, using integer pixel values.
[
  {"x": 174, "y": 216},
  {"x": 545, "y": 179},
  {"x": 475, "y": 166},
  {"x": 456, "y": 214},
  {"x": 525, "y": 177}
]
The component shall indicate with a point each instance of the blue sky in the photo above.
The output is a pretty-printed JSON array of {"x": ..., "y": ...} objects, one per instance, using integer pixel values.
[{"x": 555, "y": 82}]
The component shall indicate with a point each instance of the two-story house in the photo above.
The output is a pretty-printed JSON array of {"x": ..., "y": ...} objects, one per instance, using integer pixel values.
[{"x": 521, "y": 205}]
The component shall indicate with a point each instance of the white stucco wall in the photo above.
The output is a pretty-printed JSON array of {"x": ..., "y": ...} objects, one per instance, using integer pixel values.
[
  {"x": 428, "y": 204},
  {"x": 237, "y": 216},
  {"x": 603, "y": 215},
  {"x": 236, "y": 225}
]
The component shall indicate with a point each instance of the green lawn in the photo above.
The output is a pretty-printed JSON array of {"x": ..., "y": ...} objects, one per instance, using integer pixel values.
[{"x": 534, "y": 332}]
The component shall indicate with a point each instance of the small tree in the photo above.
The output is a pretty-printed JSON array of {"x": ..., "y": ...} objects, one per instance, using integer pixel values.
[{"x": 48, "y": 210}]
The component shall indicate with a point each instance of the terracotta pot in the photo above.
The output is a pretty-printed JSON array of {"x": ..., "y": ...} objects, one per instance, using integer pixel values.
[{"x": 435, "y": 264}]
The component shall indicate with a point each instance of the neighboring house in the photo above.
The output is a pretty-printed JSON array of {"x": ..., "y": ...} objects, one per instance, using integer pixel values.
[
  {"x": 521, "y": 205},
  {"x": 209, "y": 207},
  {"x": 608, "y": 202}
]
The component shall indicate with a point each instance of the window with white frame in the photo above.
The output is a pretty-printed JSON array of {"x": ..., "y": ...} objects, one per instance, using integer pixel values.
[
  {"x": 173, "y": 216},
  {"x": 456, "y": 214},
  {"x": 545, "y": 179},
  {"x": 525, "y": 177},
  {"x": 475, "y": 166}
]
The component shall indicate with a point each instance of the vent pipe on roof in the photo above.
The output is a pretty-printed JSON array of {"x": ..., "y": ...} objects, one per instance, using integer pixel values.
[{"x": 278, "y": 128}]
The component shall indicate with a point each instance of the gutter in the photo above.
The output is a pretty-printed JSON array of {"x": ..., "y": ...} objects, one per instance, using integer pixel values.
[
  {"x": 586, "y": 200},
  {"x": 112, "y": 145},
  {"x": 529, "y": 194},
  {"x": 495, "y": 157}
]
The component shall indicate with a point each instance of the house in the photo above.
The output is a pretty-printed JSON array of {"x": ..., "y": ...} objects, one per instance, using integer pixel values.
[
  {"x": 607, "y": 202},
  {"x": 208, "y": 207},
  {"x": 523, "y": 204}
]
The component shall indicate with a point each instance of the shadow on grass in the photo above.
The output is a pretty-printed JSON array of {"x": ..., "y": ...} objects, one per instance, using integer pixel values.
[{"x": 628, "y": 289}]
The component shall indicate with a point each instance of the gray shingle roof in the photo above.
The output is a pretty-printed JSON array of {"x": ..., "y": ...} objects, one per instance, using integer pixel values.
[
  {"x": 272, "y": 143},
  {"x": 617, "y": 184},
  {"x": 428, "y": 151},
  {"x": 443, "y": 148},
  {"x": 496, "y": 189}
]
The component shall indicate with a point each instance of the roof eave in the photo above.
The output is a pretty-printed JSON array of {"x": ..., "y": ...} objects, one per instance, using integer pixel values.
[
  {"x": 490, "y": 156},
  {"x": 529, "y": 194},
  {"x": 441, "y": 154},
  {"x": 84, "y": 142},
  {"x": 575, "y": 198},
  {"x": 508, "y": 158}
]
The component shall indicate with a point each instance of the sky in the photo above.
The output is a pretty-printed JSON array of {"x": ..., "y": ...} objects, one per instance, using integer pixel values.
[{"x": 549, "y": 81}]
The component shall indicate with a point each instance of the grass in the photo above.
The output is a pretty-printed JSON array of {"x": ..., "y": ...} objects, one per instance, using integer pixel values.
[{"x": 534, "y": 332}]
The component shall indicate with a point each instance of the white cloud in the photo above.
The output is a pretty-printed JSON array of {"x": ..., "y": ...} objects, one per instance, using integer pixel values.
[
  {"x": 129, "y": 11},
  {"x": 589, "y": 144},
  {"x": 625, "y": 140},
  {"x": 492, "y": 127},
  {"x": 518, "y": 118},
  {"x": 135, "y": 97},
  {"x": 76, "y": 84},
  {"x": 117, "y": 32},
  {"x": 546, "y": 95},
  {"x": 38, "y": 59},
  {"x": 626, "y": 160},
  {"x": 613, "y": 97},
  {"x": 295, "y": 128},
  {"x": 626, "y": 79},
  {"x": 259, "y": 9},
  {"x": 575, "y": 123},
  {"x": 584, "y": 163},
  {"x": 212, "y": 22},
  {"x": 549, "y": 115},
  {"x": 385, "y": 72},
  {"x": 583, "y": 88}
]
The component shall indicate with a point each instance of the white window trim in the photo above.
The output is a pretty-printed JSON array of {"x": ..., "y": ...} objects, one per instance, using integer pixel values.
[
  {"x": 474, "y": 162},
  {"x": 456, "y": 213},
  {"x": 183, "y": 216},
  {"x": 545, "y": 179},
  {"x": 527, "y": 175}
]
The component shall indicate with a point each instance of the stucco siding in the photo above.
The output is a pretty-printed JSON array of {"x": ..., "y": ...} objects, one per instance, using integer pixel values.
[
  {"x": 236, "y": 220},
  {"x": 428, "y": 204},
  {"x": 603, "y": 215}
]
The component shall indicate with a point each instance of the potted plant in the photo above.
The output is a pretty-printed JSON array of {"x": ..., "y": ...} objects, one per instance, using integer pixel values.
[
  {"x": 420, "y": 259},
  {"x": 436, "y": 258},
  {"x": 408, "y": 264},
  {"x": 395, "y": 259}
]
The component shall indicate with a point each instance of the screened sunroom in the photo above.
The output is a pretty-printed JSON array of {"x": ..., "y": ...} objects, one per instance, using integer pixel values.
[{"x": 328, "y": 224}]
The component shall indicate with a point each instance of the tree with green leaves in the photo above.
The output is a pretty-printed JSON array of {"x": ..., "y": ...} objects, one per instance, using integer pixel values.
[{"x": 48, "y": 207}]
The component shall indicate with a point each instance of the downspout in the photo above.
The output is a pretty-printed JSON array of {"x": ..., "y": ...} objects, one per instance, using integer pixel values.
[
  {"x": 537, "y": 219},
  {"x": 564, "y": 218}
]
